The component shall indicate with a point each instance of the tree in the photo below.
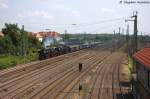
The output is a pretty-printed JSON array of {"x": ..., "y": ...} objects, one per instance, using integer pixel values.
[
  {"x": 2, "y": 43},
  {"x": 12, "y": 31},
  {"x": 33, "y": 43},
  {"x": 6, "y": 45},
  {"x": 17, "y": 41}
]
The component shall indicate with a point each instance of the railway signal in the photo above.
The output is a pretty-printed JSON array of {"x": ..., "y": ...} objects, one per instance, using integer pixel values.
[
  {"x": 80, "y": 67},
  {"x": 80, "y": 87}
]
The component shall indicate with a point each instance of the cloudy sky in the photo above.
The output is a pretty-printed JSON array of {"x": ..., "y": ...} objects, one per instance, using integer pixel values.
[{"x": 89, "y": 15}]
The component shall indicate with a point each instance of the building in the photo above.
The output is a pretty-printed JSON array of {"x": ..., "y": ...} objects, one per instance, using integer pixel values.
[
  {"x": 1, "y": 34},
  {"x": 41, "y": 35},
  {"x": 142, "y": 59},
  {"x": 47, "y": 38},
  {"x": 49, "y": 34}
]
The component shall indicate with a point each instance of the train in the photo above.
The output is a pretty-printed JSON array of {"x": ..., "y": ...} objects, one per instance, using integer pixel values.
[{"x": 62, "y": 49}]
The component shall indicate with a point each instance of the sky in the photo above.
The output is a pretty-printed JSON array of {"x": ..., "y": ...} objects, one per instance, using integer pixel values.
[{"x": 75, "y": 16}]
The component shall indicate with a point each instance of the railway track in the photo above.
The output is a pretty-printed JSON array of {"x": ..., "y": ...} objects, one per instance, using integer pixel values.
[
  {"x": 111, "y": 80},
  {"x": 54, "y": 79},
  {"x": 12, "y": 87},
  {"x": 23, "y": 69},
  {"x": 67, "y": 89},
  {"x": 101, "y": 84},
  {"x": 59, "y": 77},
  {"x": 51, "y": 66},
  {"x": 96, "y": 69},
  {"x": 64, "y": 96},
  {"x": 118, "y": 91},
  {"x": 32, "y": 75},
  {"x": 66, "y": 81}
]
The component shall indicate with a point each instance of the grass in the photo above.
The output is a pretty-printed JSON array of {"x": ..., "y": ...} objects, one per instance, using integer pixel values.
[
  {"x": 7, "y": 61},
  {"x": 122, "y": 48},
  {"x": 130, "y": 64},
  {"x": 130, "y": 60}
]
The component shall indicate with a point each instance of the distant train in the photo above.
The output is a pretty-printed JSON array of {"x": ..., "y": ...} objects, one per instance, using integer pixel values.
[{"x": 62, "y": 49}]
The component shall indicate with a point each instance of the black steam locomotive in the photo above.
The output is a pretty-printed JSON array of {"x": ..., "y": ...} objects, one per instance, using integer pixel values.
[
  {"x": 60, "y": 50},
  {"x": 52, "y": 52}
]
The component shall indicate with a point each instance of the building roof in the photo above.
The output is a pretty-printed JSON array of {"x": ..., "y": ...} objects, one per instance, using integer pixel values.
[
  {"x": 1, "y": 34},
  {"x": 31, "y": 34},
  {"x": 51, "y": 34},
  {"x": 143, "y": 56},
  {"x": 41, "y": 35}
]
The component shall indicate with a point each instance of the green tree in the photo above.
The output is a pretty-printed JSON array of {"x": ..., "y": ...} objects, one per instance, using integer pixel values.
[
  {"x": 11, "y": 43},
  {"x": 12, "y": 31},
  {"x": 17, "y": 41},
  {"x": 6, "y": 45},
  {"x": 33, "y": 44}
]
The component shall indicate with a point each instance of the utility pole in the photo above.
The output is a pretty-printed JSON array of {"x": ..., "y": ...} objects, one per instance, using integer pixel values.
[
  {"x": 141, "y": 40},
  {"x": 135, "y": 32},
  {"x": 118, "y": 38},
  {"x": 114, "y": 40},
  {"x": 119, "y": 33},
  {"x": 134, "y": 42},
  {"x": 122, "y": 36},
  {"x": 114, "y": 33},
  {"x": 66, "y": 36},
  {"x": 127, "y": 38},
  {"x": 84, "y": 37},
  {"x": 22, "y": 39},
  {"x": 122, "y": 31}
]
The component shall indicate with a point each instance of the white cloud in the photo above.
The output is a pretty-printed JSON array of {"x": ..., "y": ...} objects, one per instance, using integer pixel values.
[
  {"x": 66, "y": 9},
  {"x": 3, "y": 4},
  {"x": 42, "y": 14},
  {"x": 37, "y": 14},
  {"x": 59, "y": 6},
  {"x": 75, "y": 12},
  {"x": 107, "y": 10},
  {"x": 20, "y": 16}
]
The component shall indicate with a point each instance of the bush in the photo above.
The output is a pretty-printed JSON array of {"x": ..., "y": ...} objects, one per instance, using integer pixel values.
[
  {"x": 7, "y": 61},
  {"x": 13, "y": 63}
]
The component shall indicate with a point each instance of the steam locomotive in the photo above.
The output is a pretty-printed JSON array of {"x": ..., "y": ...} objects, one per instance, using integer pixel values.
[{"x": 60, "y": 50}]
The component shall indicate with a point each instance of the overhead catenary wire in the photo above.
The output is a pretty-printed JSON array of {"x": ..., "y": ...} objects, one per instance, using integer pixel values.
[
  {"x": 104, "y": 21},
  {"x": 69, "y": 26},
  {"x": 77, "y": 24}
]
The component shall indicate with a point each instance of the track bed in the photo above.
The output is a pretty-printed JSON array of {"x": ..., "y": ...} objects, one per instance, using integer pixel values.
[{"x": 59, "y": 77}]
